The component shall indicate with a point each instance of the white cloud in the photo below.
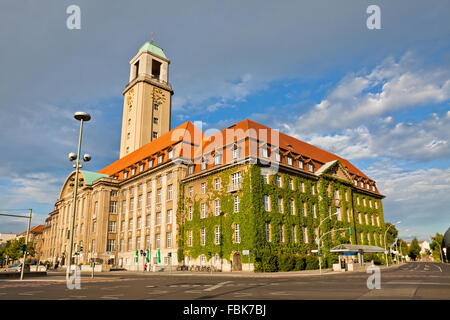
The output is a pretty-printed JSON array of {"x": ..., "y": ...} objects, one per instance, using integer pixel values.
[{"x": 388, "y": 87}]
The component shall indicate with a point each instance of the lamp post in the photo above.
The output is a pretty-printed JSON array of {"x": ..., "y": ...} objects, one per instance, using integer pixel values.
[
  {"x": 440, "y": 248},
  {"x": 82, "y": 117},
  {"x": 318, "y": 240},
  {"x": 385, "y": 248}
]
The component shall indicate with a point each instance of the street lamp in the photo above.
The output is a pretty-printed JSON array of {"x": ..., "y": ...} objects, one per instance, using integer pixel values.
[
  {"x": 318, "y": 240},
  {"x": 440, "y": 248},
  {"x": 82, "y": 117},
  {"x": 385, "y": 248}
]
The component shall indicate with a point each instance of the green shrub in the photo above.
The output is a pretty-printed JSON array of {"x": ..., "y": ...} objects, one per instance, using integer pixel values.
[
  {"x": 312, "y": 262},
  {"x": 300, "y": 263},
  {"x": 286, "y": 262}
]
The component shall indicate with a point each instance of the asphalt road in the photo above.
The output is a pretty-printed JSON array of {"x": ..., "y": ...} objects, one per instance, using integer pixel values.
[{"x": 414, "y": 280}]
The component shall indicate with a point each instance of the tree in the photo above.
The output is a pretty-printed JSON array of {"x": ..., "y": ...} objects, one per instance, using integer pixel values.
[
  {"x": 403, "y": 247},
  {"x": 436, "y": 245},
  {"x": 414, "y": 249},
  {"x": 13, "y": 249},
  {"x": 391, "y": 235}
]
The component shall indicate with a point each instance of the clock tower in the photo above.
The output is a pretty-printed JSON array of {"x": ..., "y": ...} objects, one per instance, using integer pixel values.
[{"x": 147, "y": 99}]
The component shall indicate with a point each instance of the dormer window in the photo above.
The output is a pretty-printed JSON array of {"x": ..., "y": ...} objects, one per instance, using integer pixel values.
[
  {"x": 300, "y": 164},
  {"x": 236, "y": 152},
  {"x": 150, "y": 163},
  {"x": 310, "y": 167},
  {"x": 356, "y": 182},
  {"x": 125, "y": 175},
  {"x": 373, "y": 188},
  {"x": 217, "y": 159},
  {"x": 203, "y": 165},
  {"x": 133, "y": 171},
  {"x": 160, "y": 159},
  {"x": 171, "y": 154},
  {"x": 289, "y": 161},
  {"x": 264, "y": 152},
  {"x": 191, "y": 169},
  {"x": 141, "y": 167},
  {"x": 361, "y": 184},
  {"x": 367, "y": 186},
  {"x": 277, "y": 156}
]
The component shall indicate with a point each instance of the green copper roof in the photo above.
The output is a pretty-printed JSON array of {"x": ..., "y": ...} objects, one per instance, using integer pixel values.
[
  {"x": 90, "y": 177},
  {"x": 152, "y": 48}
]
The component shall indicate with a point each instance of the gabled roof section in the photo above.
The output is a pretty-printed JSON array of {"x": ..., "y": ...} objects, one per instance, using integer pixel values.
[
  {"x": 187, "y": 133},
  {"x": 335, "y": 169},
  {"x": 90, "y": 177}
]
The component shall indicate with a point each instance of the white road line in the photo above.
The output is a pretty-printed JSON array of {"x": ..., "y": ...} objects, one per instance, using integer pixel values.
[
  {"x": 29, "y": 293},
  {"x": 217, "y": 286},
  {"x": 437, "y": 267},
  {"x": 193, "y": 291},
  {"x": 280, "y": 293},
  {"x": 158, "y": 292},
  {"x": 112, "y": 296},
  {"x": 242, "y": 294}
]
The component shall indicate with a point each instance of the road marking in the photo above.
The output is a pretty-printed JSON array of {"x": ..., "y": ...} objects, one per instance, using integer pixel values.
[
  {"x": 390, "y": 293},
  {"x": 78, "y": 297},
  {"x": 217, "y": 286},
  {"x": 157, "y": 292},
  {"x": 112, "y": 296},
  {"x": 193, "y": 291},
  {"x": 150, "y": 286},
  {"x": 418, "y": 283},
  {"x": 29, "y": 293},
  {"x": 280, "y": 293},
  {"x": 242, "y": 294},
  {"x": 437, "y": 267}
]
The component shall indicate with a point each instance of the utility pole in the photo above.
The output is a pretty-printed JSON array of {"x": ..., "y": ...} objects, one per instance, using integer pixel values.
[{"x": 26, "y": 245}]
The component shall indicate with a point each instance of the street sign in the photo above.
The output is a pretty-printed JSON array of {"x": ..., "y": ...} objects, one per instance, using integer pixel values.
[
  {"x": 314, "y": 251},
  {"x": 245, "y": 252}
]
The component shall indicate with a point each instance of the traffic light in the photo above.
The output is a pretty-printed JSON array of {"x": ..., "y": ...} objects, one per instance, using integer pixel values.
[
  {"x": 81, "y": 248},
  {"x": 23, "y": 247}
]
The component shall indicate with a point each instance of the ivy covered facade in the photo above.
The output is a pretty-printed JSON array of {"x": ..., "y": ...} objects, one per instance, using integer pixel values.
[{"x": 278, "y": 216}]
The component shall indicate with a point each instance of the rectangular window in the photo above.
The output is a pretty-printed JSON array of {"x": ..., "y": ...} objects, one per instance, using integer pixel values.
[
  {"x": 289, "y": 161},
  {"x": 203, "y": 187},
  {"x": 190, "y": 238},
  {"x": 314, "y": 211},
  {"x": 129, "y": 248},
  {"x": 300, "y": 164},
  {"x": 133, "y": 171},
  {"x": 170, "y": 154},
  {"x": 280, "y": 230},
  {"x": 148, "y": 220},
  {"x": 191, "y": 191},
  {"x": 140, "y": 201},
  {"x": 160, "y": 159},
  {"x": 217, "y": 159},
  {"x": 338, "y": 213},
  {"x": 169, "y": 192},
  {"x": 141, "y": 167},
  {"x": 124, "y": 206},
  {"x": 139, "y": 222},
  {"x": 203, "y": 211},
  {"x": 147, "y": 242},
  {"x": 122, "y": 225},
  {"x": 236, "y": 203},
  {"x": 158, "y": 196},
  {"x": 293, "y": 234},
  {"x": 310, "y": 167},
  {"x": 190, "y": 213},
  {"x": 305, "y": 235},
  {"x": 111, "y": 226},
  {"x": 236, "y": 179},
  {"x": 266, "y": 178},
  {"x": 266, "y": 202},
  {"x": 292, "y": 206},
  {"x": 158, "y": 241},
  {"x": 113, "y": 206},
  {"x": 169, "y": 216},
  {"x": 149, "y": 199},
  {"x": 267, "y": 231},
  {"x": 278, "y": 181},
  {"x": 169, "y": 239},
  {"x": 93, "y": 246},
  {"x": 113, "y": 193},
  {"x": 202, "y": 236},
  {"x": 217, "y": 207},
  {"x": 291, "y": 184},
  {"x": 125, "y": 173},
  {"x": 237, "y": 236},
  {"x": 217, "y": 235},
  {"x": 138, "y": 243},
  {"x": 305, "y": 213},
  {"x": 236, "y": 153},
  {"x": 217, "y": 184},
  {"x": 130, "y": 224},
  {"x": 131, "y": 204},
  {"x": 280, "y": 205},
  {"x": 122, "y": 244},
  {"x": 158, "y": 218}
]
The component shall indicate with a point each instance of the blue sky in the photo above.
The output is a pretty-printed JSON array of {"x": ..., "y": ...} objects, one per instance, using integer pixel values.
[{"x": 379, "y": 98}]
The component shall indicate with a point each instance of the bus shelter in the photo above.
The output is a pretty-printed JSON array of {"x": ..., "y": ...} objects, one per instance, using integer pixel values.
[{"x": 348, "y": 253}]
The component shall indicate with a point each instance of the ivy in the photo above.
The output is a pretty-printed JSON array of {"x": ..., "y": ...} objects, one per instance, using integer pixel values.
[{"x": 252, "y": 217}]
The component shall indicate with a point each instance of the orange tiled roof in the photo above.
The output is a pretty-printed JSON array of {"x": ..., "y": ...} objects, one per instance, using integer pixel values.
[
  {"x": 36, "y": 229},
  {"x": 185, "y": 132}
]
